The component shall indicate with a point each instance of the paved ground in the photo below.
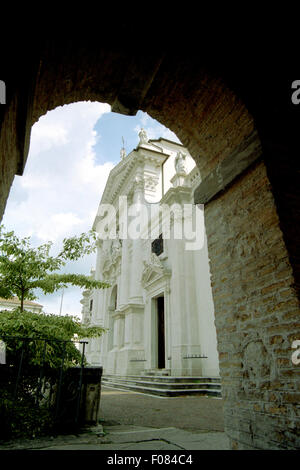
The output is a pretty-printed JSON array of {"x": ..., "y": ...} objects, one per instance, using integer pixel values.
[
  {"x": 190, "y": 413},
  {"x": 132, "y": 421}
]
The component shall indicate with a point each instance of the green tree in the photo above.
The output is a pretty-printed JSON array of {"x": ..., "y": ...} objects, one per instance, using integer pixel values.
[
  {"x": 41, "y": 340},
  {"x": 24, "y": 268},
  {"x": 16, "y": 325}
]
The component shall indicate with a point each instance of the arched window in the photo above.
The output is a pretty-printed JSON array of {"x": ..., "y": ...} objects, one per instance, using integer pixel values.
[{"x": 112, "y": 307}]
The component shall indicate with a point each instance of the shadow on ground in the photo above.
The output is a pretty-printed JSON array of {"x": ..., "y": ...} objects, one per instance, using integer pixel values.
[{"x": 131, "y": 421}]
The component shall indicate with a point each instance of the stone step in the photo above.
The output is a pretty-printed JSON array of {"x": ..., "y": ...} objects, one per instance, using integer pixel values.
[
  {"x": 151, "y": 378},
  {"x": 163, "y": 372},
  {"x": 163, "y": 392},
  {"x": 164, "y": 385}
]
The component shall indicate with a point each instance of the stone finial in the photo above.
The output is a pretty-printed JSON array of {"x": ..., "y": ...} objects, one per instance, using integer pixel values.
[
  {"x": 143, "y": 137},
  {"x": 180, "y": 163},
  {"x": 122, "y": 153}
]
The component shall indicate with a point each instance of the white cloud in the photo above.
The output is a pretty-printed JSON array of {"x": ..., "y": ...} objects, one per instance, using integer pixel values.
[
  {"x": 57, "y": 226},
  {"x": 88, "y": 171},
  {"x": 59, "y": 193},
  {"x": 45, "y": 136},
  {"x": 62, "y": 178},
  {"x": 68, "y": 301},
  {"x": 56, "y": 128}
]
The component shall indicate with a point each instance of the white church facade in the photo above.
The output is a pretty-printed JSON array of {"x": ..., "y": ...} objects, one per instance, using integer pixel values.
[{"x": 158, "y": 310}]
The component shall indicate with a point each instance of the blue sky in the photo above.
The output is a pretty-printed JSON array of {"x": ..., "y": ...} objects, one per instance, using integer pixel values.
[
  {"x": 111, "y": 127},
  {"x": 72, "y": 150}
]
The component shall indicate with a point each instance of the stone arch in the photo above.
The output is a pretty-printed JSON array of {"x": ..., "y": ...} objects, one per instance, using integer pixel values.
[{"x": 247, "y": 187}]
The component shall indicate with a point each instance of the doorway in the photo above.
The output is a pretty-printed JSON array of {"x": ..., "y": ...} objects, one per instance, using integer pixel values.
[{"x": 161, "y": 362}]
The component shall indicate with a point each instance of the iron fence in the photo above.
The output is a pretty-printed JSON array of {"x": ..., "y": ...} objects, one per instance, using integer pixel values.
[{"x": 30, "y": 380}]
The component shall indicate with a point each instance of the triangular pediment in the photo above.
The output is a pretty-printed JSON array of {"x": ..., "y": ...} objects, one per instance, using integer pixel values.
[
  {"x": 153, "y": 270},
  {"x": 149, "y": 276}
]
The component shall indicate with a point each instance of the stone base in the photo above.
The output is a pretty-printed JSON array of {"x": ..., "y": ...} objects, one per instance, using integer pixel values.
[
  {"x": 125, "y": 361},
  {"x": 159, "y": 372}
]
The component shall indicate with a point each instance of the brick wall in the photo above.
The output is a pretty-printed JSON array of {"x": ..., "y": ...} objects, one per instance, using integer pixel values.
[
  {"x": 257, "y": 315},
  {"x": 8, "y": 147}
]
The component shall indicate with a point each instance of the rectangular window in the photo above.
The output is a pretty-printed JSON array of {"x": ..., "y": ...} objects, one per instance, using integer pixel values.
[{"x": 91, "y": 305}]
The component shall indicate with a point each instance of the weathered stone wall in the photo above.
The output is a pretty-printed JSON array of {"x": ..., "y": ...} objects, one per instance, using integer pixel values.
[{"x": 257, "y": 315}]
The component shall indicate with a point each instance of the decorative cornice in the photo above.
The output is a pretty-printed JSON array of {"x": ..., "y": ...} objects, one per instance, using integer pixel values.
[
  {"x": 131, "y": 307},
  {"x": 162, "y": 139},
  {"x": 121, "y": 178},
  {"x": 179, "y": 195},
  {"x": 124, "y": 170}
]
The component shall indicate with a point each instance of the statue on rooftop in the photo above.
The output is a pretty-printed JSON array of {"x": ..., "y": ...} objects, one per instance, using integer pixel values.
[
  {"x": 143, "y": 136},
  {"x": 180, "y": 163}
]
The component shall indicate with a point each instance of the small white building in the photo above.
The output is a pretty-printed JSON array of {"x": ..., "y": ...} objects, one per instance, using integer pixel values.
[
  {"x": 159, "y": 309},
  {"x": 14, "y": 302}
]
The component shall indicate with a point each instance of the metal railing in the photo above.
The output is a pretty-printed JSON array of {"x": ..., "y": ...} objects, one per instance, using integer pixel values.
[{"x": 58, "y": 388}]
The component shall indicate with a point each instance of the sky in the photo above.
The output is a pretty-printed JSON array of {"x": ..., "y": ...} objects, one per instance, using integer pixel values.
[{"x": 72, "y": 150}]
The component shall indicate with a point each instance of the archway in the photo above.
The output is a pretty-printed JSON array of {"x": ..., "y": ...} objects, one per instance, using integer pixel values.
[{"x": 251, "y": 244}]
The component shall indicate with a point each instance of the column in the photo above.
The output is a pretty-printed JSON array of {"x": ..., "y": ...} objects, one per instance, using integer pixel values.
[
  {"x": 135, "y": 288},
  {"x": 125, "y": 273}
]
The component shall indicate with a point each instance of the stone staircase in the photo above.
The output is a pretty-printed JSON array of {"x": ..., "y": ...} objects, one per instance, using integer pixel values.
[{"x": 165, "y": 385}]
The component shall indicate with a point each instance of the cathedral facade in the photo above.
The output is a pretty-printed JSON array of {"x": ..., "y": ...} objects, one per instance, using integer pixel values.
[{"x": 158, "y": 310}]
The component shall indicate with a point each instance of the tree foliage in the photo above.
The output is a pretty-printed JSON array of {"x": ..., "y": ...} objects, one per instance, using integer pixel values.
[
  {"x": 16, "y": 326},
  {"x": 45, "y": 343},
  {"x": 24, "y": 268}
]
